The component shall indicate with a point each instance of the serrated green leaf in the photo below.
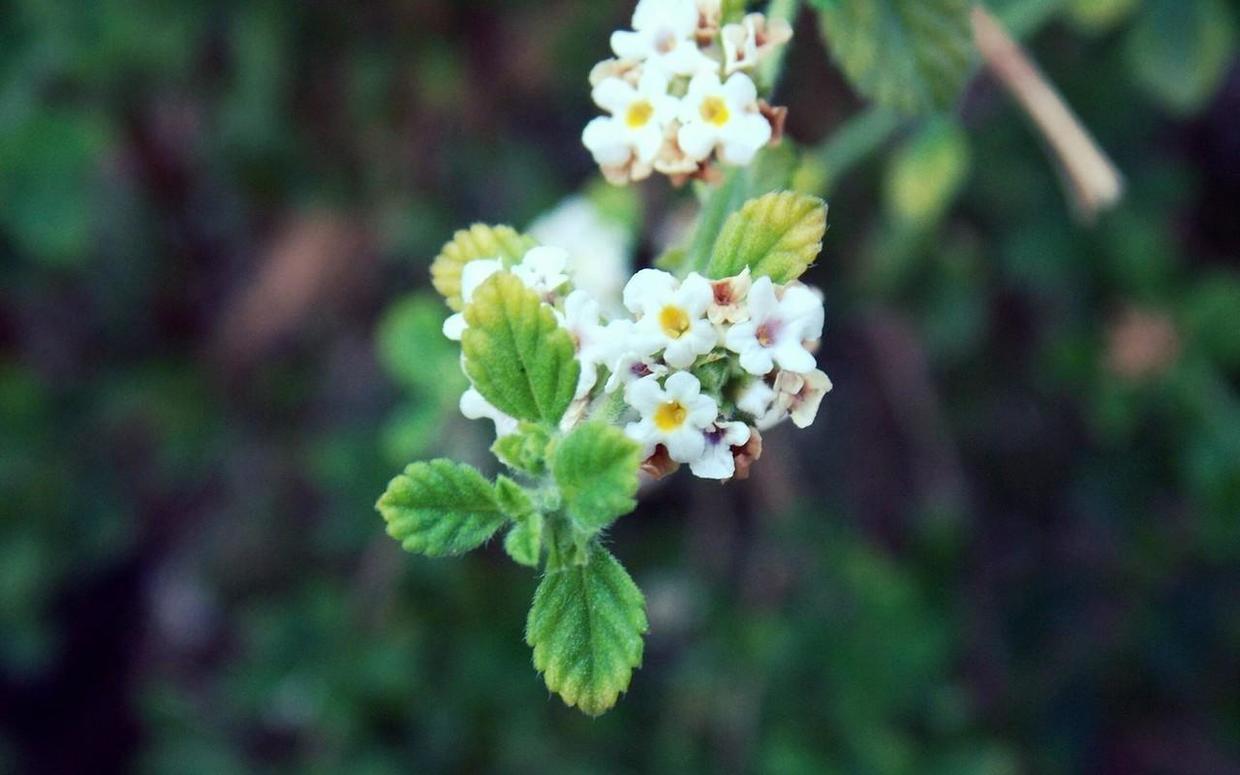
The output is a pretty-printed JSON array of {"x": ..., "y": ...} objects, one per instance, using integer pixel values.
[
  {"x": 512, "y": 497},
  {"x": 596, "y": 469},
  {"x": 1179, "y": 50},
  {"x": 779, "y": 235},
  {"x": 440, "y": 508},
  {"x": 516, "y": 354},
  {"x": 525, "y": 450},
  {"x": 927, "y": 173},
  {"x": 477, "y": 242},
  {"x": 586, "y": 627},
  {"x": 524, "y": 542},
  {"x": 910, "y": 55}
]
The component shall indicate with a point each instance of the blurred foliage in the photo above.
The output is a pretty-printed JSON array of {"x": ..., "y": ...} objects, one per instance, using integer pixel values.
[{"x": 1011, "y": 543}]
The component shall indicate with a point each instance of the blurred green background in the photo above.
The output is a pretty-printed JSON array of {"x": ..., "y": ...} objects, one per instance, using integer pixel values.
[{"x": 1011, "y": 542}]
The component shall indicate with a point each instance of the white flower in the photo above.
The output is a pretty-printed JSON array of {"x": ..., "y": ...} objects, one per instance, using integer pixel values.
[
  {"x": 473, "y": 274},
  {"x": 637, "y": 122},
  {"x": 777, "y": 329},
  {"x": 631, "y": 367},
  {"x": 597, "y": 344},
  {"x": 674, "y": 415},
  {"x": 475, "y": 407},
  {"x": 717, "y": 461},
  {"x": 673, "y": 316},
  {"x": 598, "y": 247},
  {"x": 728, "y": 304},
  {"x": 801, "y": 394},
  {"x": 663, "y": 37},
  {"x": 748, "y": 43},
  {"x": 757, "y": 399},
  {"x": 542, "y": 269},
  {"x": 723, "y": 115}
]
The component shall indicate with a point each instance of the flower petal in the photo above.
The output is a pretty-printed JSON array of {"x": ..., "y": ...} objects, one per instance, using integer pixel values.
[
  {"x": 697, "y": 139},
  {"x": 685, "y": 445},
  {"x": 604, "y": 138},
  {"x": 647, "y": 289},
  {"x": 644, "y": 394}
]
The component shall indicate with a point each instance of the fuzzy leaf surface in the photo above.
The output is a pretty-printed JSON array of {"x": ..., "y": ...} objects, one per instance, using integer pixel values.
[
  {"x": 910, "y": 55},
  {"x": 596, "y": 469},
  {"x": 524, "y": 542},
  {"x": 586, "y": 628},
  {"x": 476, "y": 242},
  {"x": 440, "y": 508},
  {"x": 516, "y": 354},
  {"x": 778, "y": 234}
]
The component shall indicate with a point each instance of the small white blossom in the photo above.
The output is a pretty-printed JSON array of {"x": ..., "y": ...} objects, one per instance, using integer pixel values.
[
  {"x": 542, "y": 269},
  {"x": 597, "y": 344},
  {"x": 801, "y": 394},
  {"x": 663, "y": 37},
  {"x": 473, "y": 274},
  {"x": 638, "y": 120},
  {"x": 672, "y": 315},
  {"x": 717, "y": 461},
  {"x": 724, "y": 116},
  {"x": 631, "y": 367},
  {"x": 674, "y": 415},
  {"x": 475, "y": 407},
  {"x": 777, "y": 329},
  {"x": 757, "y": 399},
  {"x": 748, "y": 43}
]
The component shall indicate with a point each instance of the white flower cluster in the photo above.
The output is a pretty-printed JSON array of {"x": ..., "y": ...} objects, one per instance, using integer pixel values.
[
  {"x": 669, "y": 106},
  {"x": 693, "y": 375}
]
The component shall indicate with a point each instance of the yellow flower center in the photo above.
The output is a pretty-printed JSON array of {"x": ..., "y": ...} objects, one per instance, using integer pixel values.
[
  {"x": 674, "y": 321},
  {"x": 715, "y": 111},
  {"x": 639, "y": 114},
  {"x": 670, "y": 416}
]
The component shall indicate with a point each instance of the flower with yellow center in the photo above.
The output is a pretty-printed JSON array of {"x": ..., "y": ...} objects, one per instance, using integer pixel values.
[
  {"x": 663, "y": 38},
  {"x": 724, "y": 116},
  {"x": 671, "y": 316},
  {"x": 674, "y": 414},
  {"x": 638, "y": 122}
]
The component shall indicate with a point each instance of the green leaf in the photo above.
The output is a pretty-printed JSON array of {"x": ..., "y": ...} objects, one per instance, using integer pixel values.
[
  {"x": 779, "y": 234},
  {"x": 516, "y": 354},
  {"x": 512, "y": 497},
  {"x": 525, "y": 450},
  {"x": 1179, "y": 51},
  {"x": 927, "y": 173},
  {"x": 413, "y": 349},
  {"x": 524, "y": 542},
  {"x": 596, "y": 469},
  {"x": 586, "y": 628},
  {"x": 1099, "y": 15},
  {"x": 477, "y": 242},
  {"x": 910, "y": 55},
  {"x": 440, "y": 508}
]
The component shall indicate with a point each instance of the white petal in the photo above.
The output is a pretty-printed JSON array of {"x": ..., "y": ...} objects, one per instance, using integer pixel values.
[
  {"x": 647, "y": 142},
  {"x": 475, "y": 273},
  {"x": 761, "y": 299},
  {"x": 793, "y": 357},
  {"x": 701, "y": 336},
  {"x": 613, "y": 95},
  {"x": 682, "y": 386},
  {"x": 687, "y": 59},
  {"x": 454, "y": 327},
  {"x": 756, "y": 398},
  {"x": 648, "y": 288},
  {"x": 631, "y": 45},
  {"x": 680, "y": 353},
  {"x": 697, "y": 139},
  {"x": 716, "y": 462},
  {"x": 645, "y": 395},
  {"x": 735, "y": 434},
  {"x": 702, "y": 411},
  {"x": 653, "y": 84},
  {"x": 685, "y": 445},
  {"x": 701, "y": 86},
  {"x": 740, "y": 91},
  {"x": 741, "y": 336},
  {"x": 757, "y": 361},
  {"x": 644, "y": 433},
  {"x": 604, "y": 138},
  {"x": 695, "y": 294},
  {"x": 745, "y": 136}
]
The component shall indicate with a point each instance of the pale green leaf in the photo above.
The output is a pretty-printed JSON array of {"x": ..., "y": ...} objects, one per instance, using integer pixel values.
[
  {"x": 586, "y": 628},
  {"x": 516, "y": 354},
  {"x": 778, "y": 235},
  {"x": 910, "y": 55},
  {"x": 525, "y": 450},
  {"x": 512, "y": 497},
  {"x": 415, "y": 352},
  {"x": 440, "y": 508},
  {"x": 477, "y": 242},
  {"x": 1180, "y": 50},
  {"x": 524, "y": 542},
  {"x": 928, "y": 171},
  {"x": 596, "y": 469}
]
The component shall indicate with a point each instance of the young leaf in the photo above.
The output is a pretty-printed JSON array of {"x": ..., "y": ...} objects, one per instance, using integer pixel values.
[
  {"x": 478, "y": 241},
  {"x": 927, "y": 173},
  {"x": 512, "y": 498},
  {"x": 1180, "y": 50},
  {"x": 516, "y": 354},
  {"x": 524, "y": 542},
  {"x": 525, "y": 450},
  {"x": 586, "y": 628},
  {"x": 596, "y": 469},
  {"x": 911, "y": 55},
  {"x": 778, "y": 234},
  {"x": 440, "y": 508}
]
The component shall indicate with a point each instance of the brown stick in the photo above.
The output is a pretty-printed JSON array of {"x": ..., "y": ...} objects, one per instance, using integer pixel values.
[{"x": 1094, "y": 182}]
